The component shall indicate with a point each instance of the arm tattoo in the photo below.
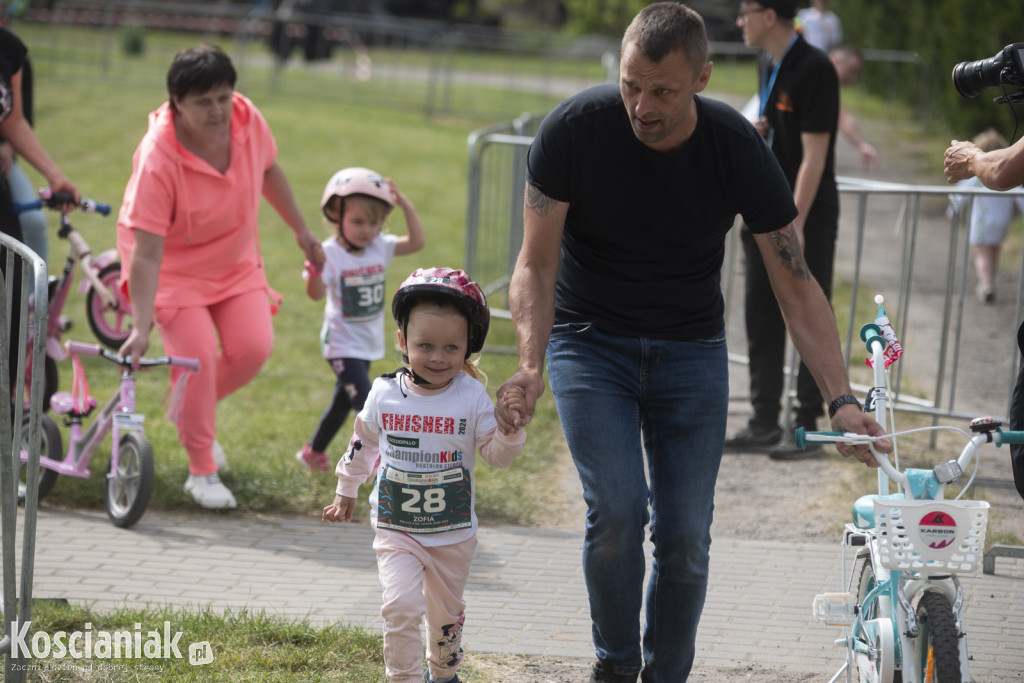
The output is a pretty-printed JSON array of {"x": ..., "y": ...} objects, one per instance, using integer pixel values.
[
  {"x": 787, "y": 249},
  {"x": 537, "y": 201}
]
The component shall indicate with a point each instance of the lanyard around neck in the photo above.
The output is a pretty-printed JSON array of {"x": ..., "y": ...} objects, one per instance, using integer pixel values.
[{"x": 766, "y": 88}]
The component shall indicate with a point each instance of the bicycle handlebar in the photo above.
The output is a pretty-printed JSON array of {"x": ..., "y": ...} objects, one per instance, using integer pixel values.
[
  {"x": 988, "y": 432},
  {"x": 59, "y": 200},
  {"x": 84, "y": 349}
]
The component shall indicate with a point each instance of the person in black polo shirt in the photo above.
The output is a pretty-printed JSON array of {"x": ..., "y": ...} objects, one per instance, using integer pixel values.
[{"x": 799, "y": 113}]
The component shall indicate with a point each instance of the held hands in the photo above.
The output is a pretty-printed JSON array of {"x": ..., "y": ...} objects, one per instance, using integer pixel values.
[
  {"x": 850, "y": 418},
  {"x": 958, "y": 158},
  {"x": 517, "y": 399},
  {"x": 340, "y": 510},
  {"x": 513, "y": 404},
  {"x": 311, "y": 246}
]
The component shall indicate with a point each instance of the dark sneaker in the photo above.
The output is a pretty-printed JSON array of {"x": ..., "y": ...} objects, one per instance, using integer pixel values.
[
  {"x": 601, "y": 673},
  {"x": 428, "y": 679},
  {"x": 750, "y": 438},
  {"x": 788, "y": 450}
]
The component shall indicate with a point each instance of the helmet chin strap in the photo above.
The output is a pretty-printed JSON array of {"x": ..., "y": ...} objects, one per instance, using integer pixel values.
[{"x": 416, "y": 379}]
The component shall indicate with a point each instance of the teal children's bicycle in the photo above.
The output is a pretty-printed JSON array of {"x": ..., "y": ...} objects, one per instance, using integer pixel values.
[{"x": 902, "y": 609}]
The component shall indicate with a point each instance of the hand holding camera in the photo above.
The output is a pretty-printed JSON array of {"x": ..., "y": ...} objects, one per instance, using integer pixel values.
[{"x": 1002, "y": 169}]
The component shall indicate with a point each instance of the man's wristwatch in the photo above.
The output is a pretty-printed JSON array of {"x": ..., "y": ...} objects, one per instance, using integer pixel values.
[{"x": 840, "y": 401}]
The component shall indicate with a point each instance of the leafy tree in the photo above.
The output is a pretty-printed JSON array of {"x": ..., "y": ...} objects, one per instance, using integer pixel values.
[
  {"x": 601, "y": 17},
  {"x": 942, "y": 33}
]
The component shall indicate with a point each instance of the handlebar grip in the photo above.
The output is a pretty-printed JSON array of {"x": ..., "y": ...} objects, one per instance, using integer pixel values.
[
  {"x": 82, "y": 348},
  {"x": 56, "y": 200},
  {"x": 1006, "y": 436},
  {"x": 190, "y": 363},
  {"x": 21, "y": 207},
  {"x": 802, "y": 437},
  {"x": 92, "y": 206}
]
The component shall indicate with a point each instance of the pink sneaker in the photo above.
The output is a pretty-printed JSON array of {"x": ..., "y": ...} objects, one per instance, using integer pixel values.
[{"x": 314, "y": 460}]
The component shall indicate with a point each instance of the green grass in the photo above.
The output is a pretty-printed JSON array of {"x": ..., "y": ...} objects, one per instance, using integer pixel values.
[{"x": 247, "y": 646}]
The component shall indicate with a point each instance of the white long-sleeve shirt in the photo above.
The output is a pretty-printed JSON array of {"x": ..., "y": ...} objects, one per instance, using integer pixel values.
[{"x": 422, "y": 447}]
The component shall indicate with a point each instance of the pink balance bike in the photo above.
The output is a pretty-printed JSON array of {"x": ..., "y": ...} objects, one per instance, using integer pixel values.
[{"x": 130, "y": 472}]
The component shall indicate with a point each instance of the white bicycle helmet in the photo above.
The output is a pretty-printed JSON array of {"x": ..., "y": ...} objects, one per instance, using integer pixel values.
[{"x": 356, "y": 180}]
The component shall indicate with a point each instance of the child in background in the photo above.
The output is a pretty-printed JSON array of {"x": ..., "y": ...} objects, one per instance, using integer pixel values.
[
  {"x": 419, "y": 433},
  {"x": 990, "y": 219},
  {"x": 356, "y": 201}
]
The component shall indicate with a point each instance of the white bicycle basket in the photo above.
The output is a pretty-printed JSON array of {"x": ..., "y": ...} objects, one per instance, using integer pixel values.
[{"x": 929, "y": 536}]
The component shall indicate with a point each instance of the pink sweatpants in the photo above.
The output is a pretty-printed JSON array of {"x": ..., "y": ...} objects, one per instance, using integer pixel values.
[
  {"x": 232, "y": 340},
  {"x": 422, "y": 581}
]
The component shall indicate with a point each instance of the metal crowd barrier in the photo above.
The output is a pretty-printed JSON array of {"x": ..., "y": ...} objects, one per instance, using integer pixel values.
[
  {"x": 23, "y": 288},
  {"x": 932, "y": 274}
]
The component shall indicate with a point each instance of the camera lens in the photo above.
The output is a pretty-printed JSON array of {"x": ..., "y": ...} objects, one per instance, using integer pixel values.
[{"x": 971, "y": 78}]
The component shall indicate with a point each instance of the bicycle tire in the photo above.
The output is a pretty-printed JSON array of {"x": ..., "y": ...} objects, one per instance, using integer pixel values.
[
  {"x": 937, "y": 649},
  {"x": 127, "y": 494},
  {"x": 111, "y": 327},
  {"x": 866, "y": 583},
  {"x": 51, "y": 445}
]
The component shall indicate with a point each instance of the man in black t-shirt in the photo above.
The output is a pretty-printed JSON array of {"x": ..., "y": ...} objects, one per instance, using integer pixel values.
[
  {"x": 799, "y": 113},
  {"x": 630, "y": 194}
]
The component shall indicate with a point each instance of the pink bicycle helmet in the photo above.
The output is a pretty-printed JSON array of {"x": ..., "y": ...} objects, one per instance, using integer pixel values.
[
  {"x": 356, "y": 180},
  {"x": 453, "y": 285}
]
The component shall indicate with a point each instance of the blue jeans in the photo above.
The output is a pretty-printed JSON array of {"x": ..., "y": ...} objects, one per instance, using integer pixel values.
[{"x": 619, "y": 397}]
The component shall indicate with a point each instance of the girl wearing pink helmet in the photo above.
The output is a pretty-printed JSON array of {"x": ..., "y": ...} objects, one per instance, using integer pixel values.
[
  {"x": 355, "y": 201},
  {"x": 418, "y": 434}
]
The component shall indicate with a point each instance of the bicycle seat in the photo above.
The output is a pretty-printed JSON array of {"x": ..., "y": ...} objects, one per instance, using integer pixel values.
[{"x": 63, "y": 403}]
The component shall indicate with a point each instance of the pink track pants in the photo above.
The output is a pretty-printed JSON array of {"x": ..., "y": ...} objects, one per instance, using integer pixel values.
[
  {"x": 232, "y": 340},
  {"x": 422, "y": 581}
]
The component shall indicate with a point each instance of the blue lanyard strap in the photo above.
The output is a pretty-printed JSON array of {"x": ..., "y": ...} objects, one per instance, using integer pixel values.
[{"x": 766, "y": 88}]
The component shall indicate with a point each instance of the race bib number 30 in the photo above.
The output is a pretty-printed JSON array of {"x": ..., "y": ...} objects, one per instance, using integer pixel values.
[
  {"x": 362, "y": 296},
  {"x": 425, "y": 502}
]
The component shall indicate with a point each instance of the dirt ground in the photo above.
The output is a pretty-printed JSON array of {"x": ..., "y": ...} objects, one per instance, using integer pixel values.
[{"x": 819, "y": 492}]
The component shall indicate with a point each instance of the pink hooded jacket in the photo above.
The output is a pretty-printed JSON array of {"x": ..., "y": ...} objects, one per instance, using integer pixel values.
[{"x": 207, "y": 219}]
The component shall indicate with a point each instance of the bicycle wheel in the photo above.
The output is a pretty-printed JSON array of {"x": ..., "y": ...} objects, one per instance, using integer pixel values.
[
  {"x": 51, "y": 445},
  {"x": 128, "y": 490},
  {"x": 937, "y": 649},
  {"x": 883, "y": 635},
  {"x": 111, "y": 326}
]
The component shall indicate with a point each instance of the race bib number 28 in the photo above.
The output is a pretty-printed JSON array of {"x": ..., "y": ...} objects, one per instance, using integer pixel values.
[{"x": 424, "y": 502}]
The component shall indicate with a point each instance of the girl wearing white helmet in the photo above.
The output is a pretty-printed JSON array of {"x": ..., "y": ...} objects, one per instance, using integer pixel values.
[
  {"x": 356, "y": 201},
  {"x": 419, "y": 434}
]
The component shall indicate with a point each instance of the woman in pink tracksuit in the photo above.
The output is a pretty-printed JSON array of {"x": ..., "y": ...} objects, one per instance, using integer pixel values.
[
  {"x": 418, "y": 433},
  {"x": 188, "y": 232}
]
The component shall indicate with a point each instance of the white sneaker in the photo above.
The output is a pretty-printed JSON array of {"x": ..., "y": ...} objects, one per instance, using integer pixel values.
[
  {"x": 220, "y": 458},
  {"x": 209, "y": 492}
]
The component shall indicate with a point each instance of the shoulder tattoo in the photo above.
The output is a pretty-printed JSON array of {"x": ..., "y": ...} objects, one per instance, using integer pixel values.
[
  {"x": 789, "y": 253},
  {"x": 537, "y": 201}
]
